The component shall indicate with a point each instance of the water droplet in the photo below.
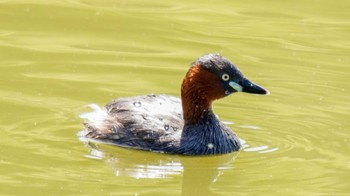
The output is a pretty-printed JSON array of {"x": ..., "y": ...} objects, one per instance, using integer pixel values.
[
  {"x": 166, "y": 127},
  {"x": 137, "y": 104}
]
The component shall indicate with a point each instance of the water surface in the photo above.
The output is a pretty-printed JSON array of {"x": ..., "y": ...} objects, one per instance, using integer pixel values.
[{"x": 56, "y": 57}]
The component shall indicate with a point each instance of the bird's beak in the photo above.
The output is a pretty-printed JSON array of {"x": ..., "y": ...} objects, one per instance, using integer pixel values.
[{"x": 248, "y": 87}]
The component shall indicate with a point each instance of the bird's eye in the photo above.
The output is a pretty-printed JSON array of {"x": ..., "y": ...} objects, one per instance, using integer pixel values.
[{"x": 225, "y": 77}]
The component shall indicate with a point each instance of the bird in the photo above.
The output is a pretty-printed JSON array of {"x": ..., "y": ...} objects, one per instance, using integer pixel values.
[{"x": 169, "y": 124}]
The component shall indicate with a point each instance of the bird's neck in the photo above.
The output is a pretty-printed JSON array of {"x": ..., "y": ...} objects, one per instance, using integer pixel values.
[
  {"x": 196, "y": 102},
  {"x": 195, "y": 109},
  {"x": 200, "y": 88}
]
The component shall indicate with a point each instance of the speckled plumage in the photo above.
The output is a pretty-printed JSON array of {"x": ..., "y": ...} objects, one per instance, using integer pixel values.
[
  {"x": 151, "y": 122},
  {"x": 156, "y": 124},
  {"x": 164, "y": 123}
]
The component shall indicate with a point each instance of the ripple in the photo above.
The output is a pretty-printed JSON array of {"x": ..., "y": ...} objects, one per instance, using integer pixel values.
[
  {"x": 154, "y": 165},
  {"x": 260, "y": 149},
  {"x": 250, "y": 127}
]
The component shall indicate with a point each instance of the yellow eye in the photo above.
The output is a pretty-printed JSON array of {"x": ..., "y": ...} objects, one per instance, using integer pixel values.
[{"x": 225, "y": 77}]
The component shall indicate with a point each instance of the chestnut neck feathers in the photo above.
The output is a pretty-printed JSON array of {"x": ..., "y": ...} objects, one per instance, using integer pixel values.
[{"x": 199, "y": 89}]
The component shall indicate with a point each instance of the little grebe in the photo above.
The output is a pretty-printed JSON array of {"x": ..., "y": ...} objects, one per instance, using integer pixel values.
[{"x": 164, "y": 123}]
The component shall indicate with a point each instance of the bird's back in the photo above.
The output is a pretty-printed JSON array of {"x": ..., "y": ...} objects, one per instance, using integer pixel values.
[{"x": 151, "y": 122}]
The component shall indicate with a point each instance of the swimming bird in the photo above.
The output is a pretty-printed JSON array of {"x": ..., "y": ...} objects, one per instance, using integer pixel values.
[{"x": 168, "y": 124}]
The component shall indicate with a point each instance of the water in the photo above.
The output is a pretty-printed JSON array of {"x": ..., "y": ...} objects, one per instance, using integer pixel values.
[{"x": 56, "y": 57}]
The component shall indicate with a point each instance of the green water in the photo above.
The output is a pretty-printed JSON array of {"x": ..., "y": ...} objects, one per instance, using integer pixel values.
[{"x": 56, "y": 57}]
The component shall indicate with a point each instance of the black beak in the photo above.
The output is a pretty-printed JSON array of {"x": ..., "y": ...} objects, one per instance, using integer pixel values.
[{"x": 250, "y": 87}]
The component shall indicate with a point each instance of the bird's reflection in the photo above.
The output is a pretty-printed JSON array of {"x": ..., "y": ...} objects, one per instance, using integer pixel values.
[{"x": 199, "y": 173}]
